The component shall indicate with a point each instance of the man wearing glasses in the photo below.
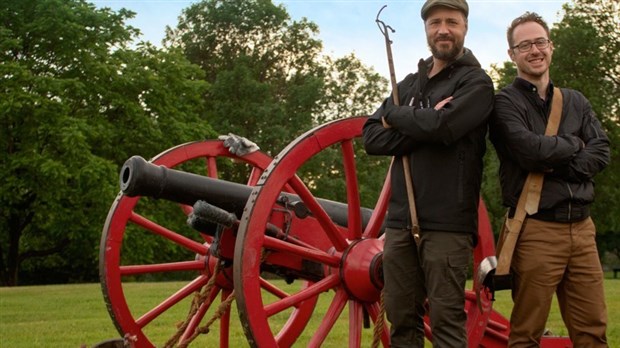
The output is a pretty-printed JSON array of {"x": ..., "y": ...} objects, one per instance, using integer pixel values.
[{"x": 556, "y": 250}]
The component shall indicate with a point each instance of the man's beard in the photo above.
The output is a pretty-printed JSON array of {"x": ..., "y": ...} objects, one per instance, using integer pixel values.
[{"x": 448, "y": 55}]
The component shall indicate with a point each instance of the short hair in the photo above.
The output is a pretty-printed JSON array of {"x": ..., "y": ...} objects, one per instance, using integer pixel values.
[{"x": 524, "y": 18}]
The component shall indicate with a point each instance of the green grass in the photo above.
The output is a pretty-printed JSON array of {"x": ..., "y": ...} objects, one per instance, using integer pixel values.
[{"x": 75, "y": 316}]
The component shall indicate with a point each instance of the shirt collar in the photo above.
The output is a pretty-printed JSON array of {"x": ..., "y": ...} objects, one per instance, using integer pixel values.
[
  {"x": 525, "y": 85},
  {"x": 531, "y": 91}
]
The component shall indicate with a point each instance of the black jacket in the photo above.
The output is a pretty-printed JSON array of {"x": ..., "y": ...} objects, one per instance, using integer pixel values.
[
  {"x": 445, "y": 147},
  {"x": 570, "y": 160}
]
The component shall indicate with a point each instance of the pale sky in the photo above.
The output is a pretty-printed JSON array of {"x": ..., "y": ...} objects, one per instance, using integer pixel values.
[{"x": 348, "y": 26}]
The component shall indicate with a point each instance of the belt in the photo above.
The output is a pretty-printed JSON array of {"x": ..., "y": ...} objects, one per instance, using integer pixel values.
[{"x": 564, "y": 212}]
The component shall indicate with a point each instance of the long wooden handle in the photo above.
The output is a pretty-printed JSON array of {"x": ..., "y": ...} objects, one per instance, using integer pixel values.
[{"x": 405, "y": 159}]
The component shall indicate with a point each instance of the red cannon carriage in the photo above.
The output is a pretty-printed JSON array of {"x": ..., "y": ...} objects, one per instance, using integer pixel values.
[{"x": 253, "y": 235}]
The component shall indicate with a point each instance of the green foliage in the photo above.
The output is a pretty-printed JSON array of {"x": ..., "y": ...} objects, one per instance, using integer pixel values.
[
  {"x": 269, "y": 81},
  {"x": 262, "y": 66},
  {"x": 351, "y": 89},
  {"x": 491, "y": 191},
  {"x": 77, "y": 102},
  {"x": 503, "y": 75}
]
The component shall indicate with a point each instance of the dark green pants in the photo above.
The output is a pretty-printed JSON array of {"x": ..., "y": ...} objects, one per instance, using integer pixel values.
[{"x": 437, "y": 271}]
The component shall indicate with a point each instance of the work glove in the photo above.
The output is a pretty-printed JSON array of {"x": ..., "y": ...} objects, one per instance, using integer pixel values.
[{"x": 238, "y": 145}]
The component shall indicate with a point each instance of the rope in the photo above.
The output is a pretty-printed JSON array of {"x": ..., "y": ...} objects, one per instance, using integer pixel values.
[
  {"x": 200, "y": 297},
  {"x": 221, "y": 310},
  {"x": 379, "y": 324}
]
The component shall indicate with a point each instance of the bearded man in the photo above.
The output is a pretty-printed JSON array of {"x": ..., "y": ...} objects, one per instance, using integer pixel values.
[{"x": 439, "y": 124}]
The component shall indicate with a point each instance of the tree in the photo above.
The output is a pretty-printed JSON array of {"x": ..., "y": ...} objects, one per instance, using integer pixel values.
[
  {"x": 270, "y": 82},
  {"x": 76, "y": 103},
  {"x": 262, "y": 67},
  {"x": 351, "y": 89}
]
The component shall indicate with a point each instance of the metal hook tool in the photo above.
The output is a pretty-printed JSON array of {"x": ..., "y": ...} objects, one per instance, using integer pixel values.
[{"x": 385, "y": 30}]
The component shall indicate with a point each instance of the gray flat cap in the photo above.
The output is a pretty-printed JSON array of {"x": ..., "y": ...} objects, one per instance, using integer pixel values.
[{"x": 460, "y": 5}]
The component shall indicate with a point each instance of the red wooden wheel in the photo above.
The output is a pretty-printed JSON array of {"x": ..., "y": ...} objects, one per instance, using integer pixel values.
[
  {"x": 344, "y": 263},
  {"x": 131, "y": 221}
]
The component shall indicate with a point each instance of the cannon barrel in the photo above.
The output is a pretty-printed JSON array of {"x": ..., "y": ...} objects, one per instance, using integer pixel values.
[{"x": 141, "y": 178}]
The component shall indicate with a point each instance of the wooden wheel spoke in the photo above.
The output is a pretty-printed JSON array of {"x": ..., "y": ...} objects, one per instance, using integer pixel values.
[
  {"x": 200, "y": 313},
  {"x": 378, "y": 215},
  {"x": 331, "y": 230},
  {"x": 374, "y": 311},
  {"x": 225, "y": 322},
  {"x": 354, "y": 216},
  {"x": 272, "y": 289},
  {"x": 172, "y": 300},
  {"x": 332, "y": 314},
  {"x": 168, "y": 234},
  {"x": 293, "y": 300},
  {"x": 470, "y": 296},
  {"x": 254, "y": 176},
  {"x": 212, "y": 167},
  {"x": 355, "y": 323},
  {"x": 306, "y": 253},
  {"x": 197, "y": 265}
]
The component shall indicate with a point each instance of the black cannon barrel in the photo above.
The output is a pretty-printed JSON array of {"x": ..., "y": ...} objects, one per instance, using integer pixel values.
[{"x": 141, "y": 178}]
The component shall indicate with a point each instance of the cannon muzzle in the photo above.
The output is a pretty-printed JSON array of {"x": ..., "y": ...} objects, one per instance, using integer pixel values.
[{"x": 141, "y": 178}]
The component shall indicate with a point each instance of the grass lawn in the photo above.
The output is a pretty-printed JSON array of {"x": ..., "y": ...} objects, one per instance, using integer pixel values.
[{"x": 75, "y": 316}]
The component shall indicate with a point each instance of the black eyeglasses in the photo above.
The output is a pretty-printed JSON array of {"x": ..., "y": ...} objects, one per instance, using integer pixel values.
[{"x": 526, "y": 46}]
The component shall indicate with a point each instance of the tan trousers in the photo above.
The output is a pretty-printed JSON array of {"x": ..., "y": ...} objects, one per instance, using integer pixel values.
[{"x": 559, "y": 258}]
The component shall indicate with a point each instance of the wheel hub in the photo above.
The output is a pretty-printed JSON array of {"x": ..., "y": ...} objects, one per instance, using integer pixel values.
[{"x": 362, "y": 269}]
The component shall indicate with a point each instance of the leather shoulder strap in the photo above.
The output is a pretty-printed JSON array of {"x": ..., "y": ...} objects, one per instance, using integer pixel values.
[
  {"x": 556, "y": 113},
  {"x": 530, "y": 195}
]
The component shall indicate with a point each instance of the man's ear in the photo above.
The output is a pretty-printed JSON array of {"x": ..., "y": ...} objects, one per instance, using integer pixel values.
[{"x": 511, "y": 54}]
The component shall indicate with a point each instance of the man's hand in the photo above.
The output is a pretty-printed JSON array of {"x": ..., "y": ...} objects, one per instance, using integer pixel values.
[
  {"x": 442, "y": 103},
  {"x": 237, "y": 145},
  {"x": 389, "y": 110}
]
